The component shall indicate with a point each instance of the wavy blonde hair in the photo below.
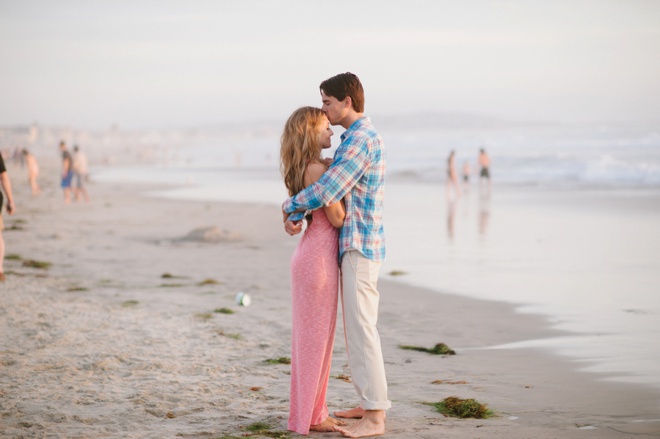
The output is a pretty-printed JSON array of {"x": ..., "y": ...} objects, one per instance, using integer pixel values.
[{"x": 299, "y": 145}]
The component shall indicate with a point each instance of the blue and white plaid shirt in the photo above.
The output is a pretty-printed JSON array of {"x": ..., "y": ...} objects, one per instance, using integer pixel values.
[{"x": 357, "y": 175}]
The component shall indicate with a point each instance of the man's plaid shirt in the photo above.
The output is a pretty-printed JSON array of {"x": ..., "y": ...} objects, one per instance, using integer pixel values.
[{"x": 357, "y": 175}]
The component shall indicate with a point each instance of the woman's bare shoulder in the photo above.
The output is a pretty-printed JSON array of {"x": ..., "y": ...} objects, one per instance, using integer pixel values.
[{"x": 313, "y": 172}]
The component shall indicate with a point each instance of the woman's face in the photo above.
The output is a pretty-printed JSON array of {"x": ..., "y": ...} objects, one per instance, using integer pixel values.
[{"x": 326, "y": 134}]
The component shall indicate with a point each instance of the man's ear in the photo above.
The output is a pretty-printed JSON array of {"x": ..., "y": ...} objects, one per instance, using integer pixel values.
[{"x": 348, "y": 102}]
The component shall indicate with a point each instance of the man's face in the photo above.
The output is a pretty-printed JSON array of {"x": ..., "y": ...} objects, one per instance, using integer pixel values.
[{"x": 334, "y": 109}]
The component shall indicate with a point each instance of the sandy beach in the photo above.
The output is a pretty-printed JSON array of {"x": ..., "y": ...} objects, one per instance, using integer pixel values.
[{"x": 122, "y": 335}]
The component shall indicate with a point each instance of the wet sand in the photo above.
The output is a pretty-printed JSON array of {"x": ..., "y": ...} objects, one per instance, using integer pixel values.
[{"x": 100, "y": 344}]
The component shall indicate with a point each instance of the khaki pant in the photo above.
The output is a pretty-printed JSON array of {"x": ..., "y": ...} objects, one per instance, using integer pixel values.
[{"x": 359, "y": 299}]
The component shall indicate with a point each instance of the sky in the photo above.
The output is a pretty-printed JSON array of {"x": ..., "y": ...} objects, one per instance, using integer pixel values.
[{"x": 177, "y": 64}]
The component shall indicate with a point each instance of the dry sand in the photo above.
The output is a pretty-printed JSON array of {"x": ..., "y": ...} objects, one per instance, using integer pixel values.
[{"x": 100, "y": 345}]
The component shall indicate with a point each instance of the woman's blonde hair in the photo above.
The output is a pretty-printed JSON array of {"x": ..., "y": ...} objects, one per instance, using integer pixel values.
[{"x": 299, "y": 145}]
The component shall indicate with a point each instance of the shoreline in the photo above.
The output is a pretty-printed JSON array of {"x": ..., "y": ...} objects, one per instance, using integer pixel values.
[{"x": 102, "y": 345}]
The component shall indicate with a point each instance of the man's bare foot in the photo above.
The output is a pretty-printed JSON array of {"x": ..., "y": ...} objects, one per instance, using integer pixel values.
[
  {"x": 371, "y": 424},
  {"x": 328, "y": 424},
  {"x": 354, "y": 413}
]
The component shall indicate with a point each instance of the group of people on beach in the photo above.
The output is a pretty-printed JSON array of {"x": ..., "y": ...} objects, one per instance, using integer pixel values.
[
  {"x": 74, "y": 173},
  {"x": 338, "y": 257},
  {"x": 483, "y": 162},
  {"x": 73, "y": 178}
]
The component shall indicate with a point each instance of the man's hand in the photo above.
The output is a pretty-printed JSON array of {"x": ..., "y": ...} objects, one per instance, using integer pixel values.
[{"x": 292, "y": 227}]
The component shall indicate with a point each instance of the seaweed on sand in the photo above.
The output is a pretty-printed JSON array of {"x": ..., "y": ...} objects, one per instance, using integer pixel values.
[
  {"x": 280, "y": 360},
  {"x": 264, "y": 429},
  {"x": 208, "y": 281},
  {"x": 463, "y": 408},
  {"x": 438, "y": 349},
  {"x": 37, "y": 264}
]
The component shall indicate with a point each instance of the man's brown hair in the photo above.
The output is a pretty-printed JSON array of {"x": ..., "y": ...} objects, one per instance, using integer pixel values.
[{"x": 345, "y": 84}]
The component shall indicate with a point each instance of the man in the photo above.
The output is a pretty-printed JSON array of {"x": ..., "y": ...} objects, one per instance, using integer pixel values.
[
  {"x": 67, "y": 172},
  {"x": 357, "y": 175},
  {"x": 80, "y": 170},
  {"x": 6, "y": 187}
]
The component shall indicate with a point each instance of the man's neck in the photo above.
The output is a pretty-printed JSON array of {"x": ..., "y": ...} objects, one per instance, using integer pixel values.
[{"x": 350, "y": 119}]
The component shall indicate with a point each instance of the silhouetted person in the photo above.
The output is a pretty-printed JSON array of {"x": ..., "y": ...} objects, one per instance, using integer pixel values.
[{"x": 67, "y": 172}]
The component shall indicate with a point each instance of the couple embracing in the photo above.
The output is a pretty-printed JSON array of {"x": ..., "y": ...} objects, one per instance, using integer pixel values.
[{"x": 343, "y": 244}]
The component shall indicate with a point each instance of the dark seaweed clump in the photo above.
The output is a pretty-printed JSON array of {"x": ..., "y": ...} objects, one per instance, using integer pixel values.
[{"x": 438, "y": 349}]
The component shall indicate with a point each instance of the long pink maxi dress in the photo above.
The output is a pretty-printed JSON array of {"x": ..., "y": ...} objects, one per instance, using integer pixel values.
[{"x": 314, "y": 294}]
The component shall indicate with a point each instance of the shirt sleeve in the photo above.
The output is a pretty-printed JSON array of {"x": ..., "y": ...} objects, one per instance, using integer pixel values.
[{"x": 351, "y": 163}]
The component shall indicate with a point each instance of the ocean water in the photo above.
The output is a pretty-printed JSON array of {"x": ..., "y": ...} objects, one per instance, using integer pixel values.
[{"x": 568, "y": 229}]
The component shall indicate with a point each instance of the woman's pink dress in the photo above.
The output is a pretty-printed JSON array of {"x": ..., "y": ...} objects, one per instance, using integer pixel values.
[{"x": 314, "y": 294}]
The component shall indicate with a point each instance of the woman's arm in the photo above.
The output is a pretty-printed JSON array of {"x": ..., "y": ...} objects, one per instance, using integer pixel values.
[{"x": 336, "y": 211}]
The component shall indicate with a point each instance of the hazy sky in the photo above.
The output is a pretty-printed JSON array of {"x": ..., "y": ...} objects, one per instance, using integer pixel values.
[{"x": 160, "y": 64}]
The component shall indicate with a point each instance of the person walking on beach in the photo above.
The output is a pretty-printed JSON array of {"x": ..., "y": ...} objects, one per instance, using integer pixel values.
[
  {"x": 314, "y": 274},
  {"x": 356, "y": 175},
  {"x": 33, "y": 171},
  {"x": 452, "y": 175},
  {"x": 6, "y": 188},
  {"x": 67, "y": 172},
  {"x": 484, "y": 165},
  {"x": 80, "y": 170}
]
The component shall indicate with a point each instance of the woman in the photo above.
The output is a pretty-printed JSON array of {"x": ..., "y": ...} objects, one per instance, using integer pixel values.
[
  {"x": 33, "y": 171},
  {"x": 452, "y": 175},
  {"x": 314, "y": 274}
]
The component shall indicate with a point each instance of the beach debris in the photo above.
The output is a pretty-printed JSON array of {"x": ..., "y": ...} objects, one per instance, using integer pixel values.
[
  {"x": 223, "y": 311},
  {"x": 449, "y": 382},
  {"x": 204, "y": 315},
  {"x": 170, "y": 415},
  {"x": 280, "y": 360},
  {"x": 235, "y": 336},
  {"x": 438, "y": 349},
  {"x": 211, "y": 234},
  {"x": 463, "y": 408},
  {"x": 264, "y": 429},
  {"x": 17, "y": 224},
  {"x": 243, "y": 299},
  {"x": 171, "y": 285},
  {"x": 37, "y": 264},
  {"x": 12, "y": 257},
  {"x": 343, "y": 377},
  {"x": 171, "y": 276},
  {"x": 397, "y": 273},
  {"x": 128, "y": 303},
  {"x": 208, "y": 281},
  {"x": 76, "y": 289},
  {"x": 256, "y": 388}
]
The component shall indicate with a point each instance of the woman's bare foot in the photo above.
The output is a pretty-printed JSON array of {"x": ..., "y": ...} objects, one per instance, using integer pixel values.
[
  {"x": 328, "y": 424},
  {"x": 371, "y": 424},
  {"x": 354, "y": 413}
]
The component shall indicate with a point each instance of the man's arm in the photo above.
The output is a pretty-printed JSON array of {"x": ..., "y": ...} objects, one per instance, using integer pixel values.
[{"x": 335, "y": 183}]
